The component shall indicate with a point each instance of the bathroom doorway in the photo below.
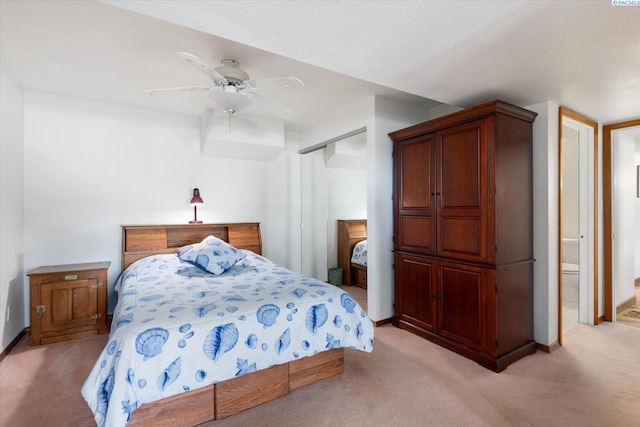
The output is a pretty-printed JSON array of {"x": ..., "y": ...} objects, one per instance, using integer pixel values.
[
  {"x": 573, "y": 203},
  {"x": 577, "y": 275},
  {"x": 621, "y": 190}
]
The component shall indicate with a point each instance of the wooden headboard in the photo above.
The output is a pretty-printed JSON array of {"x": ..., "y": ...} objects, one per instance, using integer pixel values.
[
  {"x": 350, "y": 232},
  {"x": 139, "y": 241}
]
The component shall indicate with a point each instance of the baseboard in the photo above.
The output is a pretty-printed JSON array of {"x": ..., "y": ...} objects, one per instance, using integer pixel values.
[
  {"x": 626, "y": 304},
  {"x": 637, "y": 283},
  {"x": 548, "y": 348},
  {"x": 382, "y": 322},
  {"x": 12, "y": 344}
]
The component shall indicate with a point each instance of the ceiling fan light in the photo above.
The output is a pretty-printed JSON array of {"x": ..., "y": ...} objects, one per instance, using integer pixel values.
[{"x": 230, "y": 100}]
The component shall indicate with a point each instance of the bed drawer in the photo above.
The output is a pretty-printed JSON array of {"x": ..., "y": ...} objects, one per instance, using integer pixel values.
[{"x": 361, "y": 276}]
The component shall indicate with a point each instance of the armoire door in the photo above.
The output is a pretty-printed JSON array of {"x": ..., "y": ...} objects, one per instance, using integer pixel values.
[
  {"x": 415, "y": 291},
  {"x": 415, "y": 224},
  {"x": 463, "y": 304},
  {"x": 462, "y": 191}
]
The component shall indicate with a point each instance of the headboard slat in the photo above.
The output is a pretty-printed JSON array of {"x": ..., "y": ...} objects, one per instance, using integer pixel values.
[{"x": 139, "y": 241}]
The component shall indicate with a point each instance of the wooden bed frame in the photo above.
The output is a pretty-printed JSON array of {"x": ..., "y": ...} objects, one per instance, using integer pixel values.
[
  {"x": 350, "y": 232},
  {"x": 235, "y": 395}
]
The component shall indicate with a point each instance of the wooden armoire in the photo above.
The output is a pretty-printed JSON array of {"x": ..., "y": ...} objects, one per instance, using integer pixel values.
[{"x": 463, "y": 232}]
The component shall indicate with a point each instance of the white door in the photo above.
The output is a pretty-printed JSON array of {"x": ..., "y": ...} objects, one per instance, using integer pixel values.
[
  {"x": 585, "y": 225},
  {"x": 586, "y": 216}
]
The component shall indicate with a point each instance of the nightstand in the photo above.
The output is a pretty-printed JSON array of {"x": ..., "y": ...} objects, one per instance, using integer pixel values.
[{"x": 68, "y": 302}]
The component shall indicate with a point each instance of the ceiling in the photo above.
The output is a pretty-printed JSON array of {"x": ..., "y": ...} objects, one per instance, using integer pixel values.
[{"x": 580, "y": 54}]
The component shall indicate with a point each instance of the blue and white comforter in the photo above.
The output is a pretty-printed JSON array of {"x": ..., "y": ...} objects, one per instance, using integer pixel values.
[
  {"x": 178, "y": 328},
  {"x": 359, "y": 255}
]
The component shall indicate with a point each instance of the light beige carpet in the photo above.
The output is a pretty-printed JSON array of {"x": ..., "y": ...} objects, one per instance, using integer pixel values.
[{"x": 593, "y": 380}]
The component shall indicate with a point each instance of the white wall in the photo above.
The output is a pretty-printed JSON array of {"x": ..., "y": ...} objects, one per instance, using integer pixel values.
[
  {"x": 624, "y": 215},
  {"x": 570, "y": 183},
  {"x": 91, "y": 167},
  {"x": 545, "y": 222},
  {"x": 281, "y": 234},
  {"x": 12, "y": 283},
  {"x": 340, "y": 121}
]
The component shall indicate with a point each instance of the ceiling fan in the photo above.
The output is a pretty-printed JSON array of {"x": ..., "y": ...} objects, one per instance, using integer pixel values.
[{"x": 232, "y": 89}]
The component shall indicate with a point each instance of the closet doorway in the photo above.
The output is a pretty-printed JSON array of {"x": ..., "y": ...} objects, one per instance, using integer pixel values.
[
  {"x": 577, "y": 223},
  {"x": 615, "y": 292},
  {"x": 334, "y": 186}
]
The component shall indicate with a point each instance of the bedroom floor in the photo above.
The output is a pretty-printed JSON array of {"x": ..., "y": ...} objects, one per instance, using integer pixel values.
[
  {"x": 359, "y": 294},
  {"x": 405, "y": 381}
]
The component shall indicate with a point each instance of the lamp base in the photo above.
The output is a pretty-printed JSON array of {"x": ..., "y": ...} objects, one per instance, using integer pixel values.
[{"x": 195, "y": 222}]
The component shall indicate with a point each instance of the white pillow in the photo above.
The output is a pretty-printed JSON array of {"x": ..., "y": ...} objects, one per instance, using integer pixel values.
[{"x": 212, "y": 254}]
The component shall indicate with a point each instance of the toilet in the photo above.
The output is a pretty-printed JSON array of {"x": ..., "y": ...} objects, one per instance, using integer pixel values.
[
  {"x": 570, "y": 282},
  {"x": 570, "y": 256}
]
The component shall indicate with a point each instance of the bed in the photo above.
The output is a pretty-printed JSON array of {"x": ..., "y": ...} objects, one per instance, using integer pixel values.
[
  {"x": 188, "y": 346},
  {"x": 352, "y": 251}
]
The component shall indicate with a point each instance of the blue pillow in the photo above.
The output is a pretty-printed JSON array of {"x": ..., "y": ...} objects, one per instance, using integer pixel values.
[{"x": 212, "y": 254}]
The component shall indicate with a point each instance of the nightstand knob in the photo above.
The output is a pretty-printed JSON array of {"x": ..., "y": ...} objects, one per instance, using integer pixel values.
[
  {"x": 40, "y": 309},
  {"x": 96, "y": 316},
  {"x": 97, "y": 285}
]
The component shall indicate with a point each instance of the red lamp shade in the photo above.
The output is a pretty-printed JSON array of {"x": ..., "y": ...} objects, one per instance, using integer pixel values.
[{"x": 196, "y": 201}]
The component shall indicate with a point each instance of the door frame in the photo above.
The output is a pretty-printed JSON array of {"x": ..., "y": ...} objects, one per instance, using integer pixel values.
[
  {"x": 607, "y": 197},
  {"x": 564, "y": 112}
]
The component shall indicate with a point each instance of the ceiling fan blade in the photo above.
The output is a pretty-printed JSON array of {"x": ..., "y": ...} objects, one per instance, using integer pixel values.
[
  {"x": 275, "y": 83},
  {"x": 199, "y": 64},
  {"x": 272, "y": 107},
  {"x": 175, "y": 89}
]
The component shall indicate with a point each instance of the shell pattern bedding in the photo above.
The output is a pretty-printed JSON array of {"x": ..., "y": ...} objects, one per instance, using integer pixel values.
[
  {"x": 177, "y": 328},
  {"x": 360, "y": 253}
]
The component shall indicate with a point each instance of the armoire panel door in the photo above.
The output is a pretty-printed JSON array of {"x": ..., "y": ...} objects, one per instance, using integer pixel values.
[
  {"x": 462, "y": 193},
  {"x": 415, "y": 302},
  {"x": 463, "y": 305},
  {"x": 415, "y": 193}
]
